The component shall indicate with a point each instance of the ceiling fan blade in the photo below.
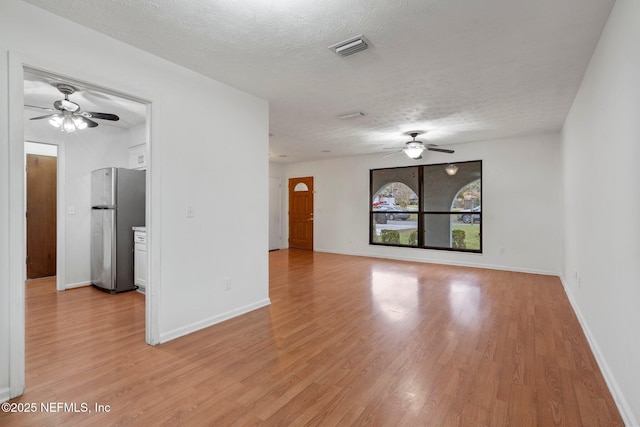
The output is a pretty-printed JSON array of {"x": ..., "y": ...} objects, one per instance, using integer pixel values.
[
  {"x": 101, "y": 116},
  {"x": 43, "y": 117},
  {"x": 442, "y": 150},
  {"x": 39, "y": 108},
  {"x": 390, "y": 154}
]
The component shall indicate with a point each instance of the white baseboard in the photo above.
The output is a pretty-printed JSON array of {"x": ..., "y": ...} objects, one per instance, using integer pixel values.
[
  {"x": 446, "y": 262},
  {"x": 76, "y": 285},
  {"x": 622, "y": 404},
  {"x": 196, "y": 326},
  {"x": 5, "y": 394}
]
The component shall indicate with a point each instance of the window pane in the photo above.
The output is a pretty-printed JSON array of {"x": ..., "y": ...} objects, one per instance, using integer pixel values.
[
  {"x": 395, "y": 186},
  {"x": 444, "y": 192},
  {"x": 443, "y": 230},
  {"x": 389, "y": 229},
  {"x": 394, "y": 206}
]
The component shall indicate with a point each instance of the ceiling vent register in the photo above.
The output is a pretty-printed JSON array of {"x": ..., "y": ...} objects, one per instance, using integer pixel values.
[{"x": 350, "y": 46}]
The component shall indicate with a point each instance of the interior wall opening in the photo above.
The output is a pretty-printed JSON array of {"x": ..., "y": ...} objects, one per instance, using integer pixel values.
[{"x": 104, "y": 143}]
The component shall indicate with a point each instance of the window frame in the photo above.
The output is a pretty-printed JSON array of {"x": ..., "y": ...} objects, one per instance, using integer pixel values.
[{"x": 421, "y": 212}]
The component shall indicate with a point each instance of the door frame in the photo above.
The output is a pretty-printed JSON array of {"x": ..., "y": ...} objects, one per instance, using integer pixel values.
[
  {"x": 61, "y": 272},
  {"x": 60, "y": 210},
  {"x": 17, "y": 63}
]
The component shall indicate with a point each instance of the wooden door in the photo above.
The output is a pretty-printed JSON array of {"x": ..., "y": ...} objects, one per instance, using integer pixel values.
[
  {"x": 41, "y": 216},
  {"x": 301, "y": 213}
]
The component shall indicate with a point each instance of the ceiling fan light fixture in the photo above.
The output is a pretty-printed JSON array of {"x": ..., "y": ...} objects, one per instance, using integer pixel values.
[
  {"x": 66, "y": 105},
  {"x": 68, "y": 125},
  {"x": 55, "y": 121},
  {"x": 80, "y": 123},
  {"x": 414, "y": 149},
  {"x": 451, "y": 169}
]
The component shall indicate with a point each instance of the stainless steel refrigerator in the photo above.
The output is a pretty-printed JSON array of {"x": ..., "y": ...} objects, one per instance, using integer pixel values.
[{"x": 117, "y": 205}]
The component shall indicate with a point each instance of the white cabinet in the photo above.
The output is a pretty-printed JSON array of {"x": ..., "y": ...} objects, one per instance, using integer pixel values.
[
  {"x": 140, "y": 258},
  {"x": 138, "y": 156}
]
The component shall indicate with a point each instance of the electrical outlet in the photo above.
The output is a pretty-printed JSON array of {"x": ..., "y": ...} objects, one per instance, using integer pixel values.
[
  {"x": 501, "y": 251},
  {"x": 227, "y": 284},
  {"x": 190, "y": 212}
]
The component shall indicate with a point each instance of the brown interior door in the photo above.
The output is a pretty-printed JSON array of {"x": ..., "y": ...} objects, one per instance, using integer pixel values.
[
  {"x": 301, "y": 213},
  {"x": 41, "y": 216}
]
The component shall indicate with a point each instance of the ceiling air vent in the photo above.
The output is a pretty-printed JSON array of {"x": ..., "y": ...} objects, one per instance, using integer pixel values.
[{"x": 350, "y": 46}]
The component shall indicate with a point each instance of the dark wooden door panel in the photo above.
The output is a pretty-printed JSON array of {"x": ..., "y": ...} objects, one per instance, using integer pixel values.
[
  {"x": 41, "y": 216},
  {"x": 301, "y": 213}
]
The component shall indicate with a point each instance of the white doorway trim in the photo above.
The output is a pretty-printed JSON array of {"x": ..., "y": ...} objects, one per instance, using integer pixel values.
[
  {"x": 17, "y": 230},
  {"x": 60, "y": 212}
]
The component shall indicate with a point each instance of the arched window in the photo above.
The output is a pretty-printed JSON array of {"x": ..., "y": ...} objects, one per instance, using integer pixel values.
[{"x": 301, "y": 186}]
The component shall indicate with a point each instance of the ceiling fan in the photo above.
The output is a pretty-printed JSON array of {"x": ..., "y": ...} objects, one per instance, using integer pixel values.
[
  {"x": 415, "y": 148},
  {"x": 68, "y": 117}
]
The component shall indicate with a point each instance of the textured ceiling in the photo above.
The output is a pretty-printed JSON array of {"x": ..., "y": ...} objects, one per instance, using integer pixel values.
[{"x": 459, "y": 70}]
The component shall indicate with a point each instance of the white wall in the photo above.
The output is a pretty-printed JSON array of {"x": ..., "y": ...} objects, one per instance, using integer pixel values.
[
  {"x": 276, "y": 170},
  {"x": 601, "y": 150},
  {"x": 194, "y": 162},
  {"x": 83, "y": 151},
  {"x": 138, "y": 135},
  {"x": 521, "y": 204}
]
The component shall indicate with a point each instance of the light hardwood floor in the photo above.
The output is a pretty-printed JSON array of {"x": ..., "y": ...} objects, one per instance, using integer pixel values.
[{"x": 346, "y": 341}]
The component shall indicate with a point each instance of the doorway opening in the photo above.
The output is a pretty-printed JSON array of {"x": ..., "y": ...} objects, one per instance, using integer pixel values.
[
  {"x": 117, "y": 135},
  {"x": 124, "y": 143}
]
